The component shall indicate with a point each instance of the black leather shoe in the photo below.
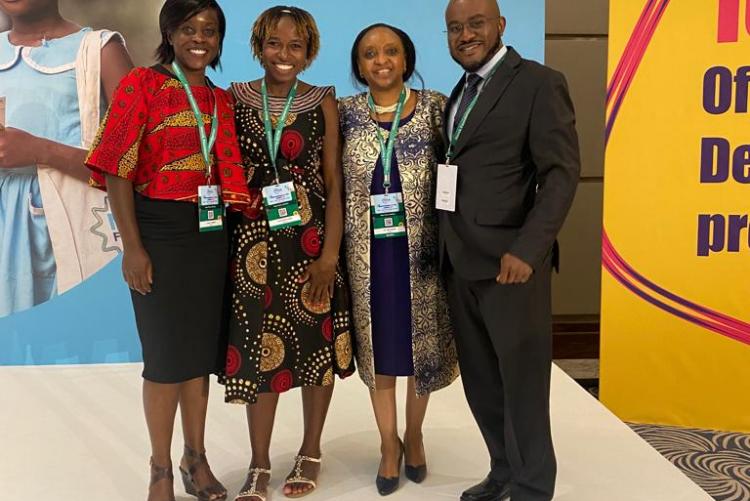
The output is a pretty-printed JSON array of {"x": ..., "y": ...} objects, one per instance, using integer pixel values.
[
  {"x": 416, "y": 474},
  {"x": 388, "y": 485},
  {"x": 488, "y": 489}
]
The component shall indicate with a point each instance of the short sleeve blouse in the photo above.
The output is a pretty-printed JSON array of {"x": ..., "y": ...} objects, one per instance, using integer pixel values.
[{"x": 149, "y": 136}]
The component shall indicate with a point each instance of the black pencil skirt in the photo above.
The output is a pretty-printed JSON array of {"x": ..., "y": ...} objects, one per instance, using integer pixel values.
[{"x": 179, "y": 322}]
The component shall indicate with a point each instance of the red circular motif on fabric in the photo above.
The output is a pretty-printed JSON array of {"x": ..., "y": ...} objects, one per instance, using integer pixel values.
[
  {"x": 234, "y": 361},
  {"x": 268, "y": 297},
  {"x": 328, "y": 329},
  {"x": 292, "y": 144},
  {"x": 311, "y": 242},
  {"x": 282, "y": 381}
]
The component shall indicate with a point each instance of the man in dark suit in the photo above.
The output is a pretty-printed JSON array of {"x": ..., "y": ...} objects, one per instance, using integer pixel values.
[{"x": 504, "y": 192}]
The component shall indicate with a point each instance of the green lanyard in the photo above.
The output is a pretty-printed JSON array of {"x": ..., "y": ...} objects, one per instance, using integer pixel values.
[
  {"x": 458, "y": 128},
  {"x": 207, "y": 144},
  {"x": 386, "y": 151},
  {"x": 273, "y": 136}
]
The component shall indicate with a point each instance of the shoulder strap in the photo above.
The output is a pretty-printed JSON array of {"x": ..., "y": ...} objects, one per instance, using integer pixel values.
[{"x": 88, "y": 78}]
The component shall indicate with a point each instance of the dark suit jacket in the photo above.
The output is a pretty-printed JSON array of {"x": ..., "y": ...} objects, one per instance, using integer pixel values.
[{"x": 518, "y": 168}]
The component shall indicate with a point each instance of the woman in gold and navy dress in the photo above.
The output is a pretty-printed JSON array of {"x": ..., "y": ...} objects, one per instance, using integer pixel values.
[
  {"x": 392, "y": 144},
  {"x": 167, "y": 154},
  {"x": 289, "y": 324}
]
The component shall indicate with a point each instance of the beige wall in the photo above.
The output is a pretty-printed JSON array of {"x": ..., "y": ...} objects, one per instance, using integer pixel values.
[
  {"x": 137, "y": 20},
  {"x": 577, "y": 46}
]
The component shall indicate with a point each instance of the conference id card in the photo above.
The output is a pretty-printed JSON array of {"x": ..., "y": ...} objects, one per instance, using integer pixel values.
[
  {"x": 210, "y": 218},
  {"x": 282, "y": 206},
  {"x": 388, "y": 216},
  {"x": 388, "y": 203},
  {"x": 447, "y": 186},
  {"x": 210, "y": 209},
  {"x": 209, "y": 195}
]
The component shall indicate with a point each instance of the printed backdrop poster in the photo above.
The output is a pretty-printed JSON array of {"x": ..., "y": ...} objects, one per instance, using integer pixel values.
[{"x": 676, "y": 251}]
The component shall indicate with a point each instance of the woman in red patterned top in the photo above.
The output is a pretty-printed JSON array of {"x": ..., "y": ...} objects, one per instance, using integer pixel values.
[{"x": 169, "y": 179}]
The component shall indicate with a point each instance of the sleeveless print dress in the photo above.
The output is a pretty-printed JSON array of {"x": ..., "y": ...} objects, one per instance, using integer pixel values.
[{"x": 278, "y": 337}]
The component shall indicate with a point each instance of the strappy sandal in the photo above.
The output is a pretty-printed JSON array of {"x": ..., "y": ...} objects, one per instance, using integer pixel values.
[
  {"x": 159, "y": 473},
  {"x": 253, "y": 474},
  {"x": 296, "y": 476},
  {"x": 213, "y": 492}
]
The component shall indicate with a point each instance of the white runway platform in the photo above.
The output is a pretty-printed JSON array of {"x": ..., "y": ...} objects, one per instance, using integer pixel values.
[{"x": 78, "y": 434}]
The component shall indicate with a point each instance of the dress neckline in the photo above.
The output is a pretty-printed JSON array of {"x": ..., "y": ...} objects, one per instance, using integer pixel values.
[{"x": 46, "y": 42}]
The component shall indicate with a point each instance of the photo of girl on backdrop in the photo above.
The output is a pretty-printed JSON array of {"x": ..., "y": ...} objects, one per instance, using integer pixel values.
[{"x": 56, "y": 79}]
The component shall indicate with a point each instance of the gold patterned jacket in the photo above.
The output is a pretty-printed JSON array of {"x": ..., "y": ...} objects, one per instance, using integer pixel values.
[{"x": 419, "y": 147}]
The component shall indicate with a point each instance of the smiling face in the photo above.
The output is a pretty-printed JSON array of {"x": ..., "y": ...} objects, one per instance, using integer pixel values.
[
  {"x": 26, "y": 8},
  {"x": 475, "y": 28},
  {"x": 284, "y": 52},
  {"x": 382, "y": 59},
  {"x": 196, "y": 41}
]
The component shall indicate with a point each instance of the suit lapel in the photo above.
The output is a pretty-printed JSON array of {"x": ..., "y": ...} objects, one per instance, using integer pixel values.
[{"x": 491, "y": 94}]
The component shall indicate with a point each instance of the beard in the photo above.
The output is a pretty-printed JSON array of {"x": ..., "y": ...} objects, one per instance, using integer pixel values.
[{"x": 490, "y": 54}]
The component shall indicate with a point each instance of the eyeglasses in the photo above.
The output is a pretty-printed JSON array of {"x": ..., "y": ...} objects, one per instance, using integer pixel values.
[{"x": 475, "y": 25}]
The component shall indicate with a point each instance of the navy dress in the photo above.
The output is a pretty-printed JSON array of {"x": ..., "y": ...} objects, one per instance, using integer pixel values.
[{"x": 390, "y": 288}]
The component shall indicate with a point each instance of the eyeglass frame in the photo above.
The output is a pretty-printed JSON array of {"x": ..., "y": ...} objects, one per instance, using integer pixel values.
[{"x": 461, "y": 26}]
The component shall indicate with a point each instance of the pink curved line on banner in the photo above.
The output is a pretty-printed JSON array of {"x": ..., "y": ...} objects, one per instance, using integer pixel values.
[
  {"x": 642, "y": 39},
  {"x": 627, "y": 53},
  {"x": 700, "y": 315}
]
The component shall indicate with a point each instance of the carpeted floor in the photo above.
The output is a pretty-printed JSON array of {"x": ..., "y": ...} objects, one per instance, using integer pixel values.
[{"x": 717, "y": 461}]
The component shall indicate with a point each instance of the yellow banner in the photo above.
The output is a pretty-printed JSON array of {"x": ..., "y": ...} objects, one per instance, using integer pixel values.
[{"x": 676, "y": 241}]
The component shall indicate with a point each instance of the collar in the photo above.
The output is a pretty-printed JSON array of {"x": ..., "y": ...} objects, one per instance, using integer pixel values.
[{"x": 485, "y": 70}]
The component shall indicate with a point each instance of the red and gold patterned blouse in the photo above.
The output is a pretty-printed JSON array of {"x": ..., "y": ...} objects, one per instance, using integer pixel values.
[{"x": 149, "y": 136}]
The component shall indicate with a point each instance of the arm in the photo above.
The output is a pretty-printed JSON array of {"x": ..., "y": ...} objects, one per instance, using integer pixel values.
[
  {"x": 553, "y": 142},
  {"x": 136, "y": 263},
  {"x": 322, "y": 273},
  {"x": 19, "y": 148},
  {"x": 120, "y": 132}
]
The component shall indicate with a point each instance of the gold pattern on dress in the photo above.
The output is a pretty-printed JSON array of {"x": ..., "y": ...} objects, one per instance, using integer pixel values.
[
  {"x": 171, "y": 83},
  {"x": 181, "y": 119},
  {"x": 129, "y": 160},
  {"x": 257, "y": 262},
  {"x": 344, "y": 350},
  {"x": 305, "y": 210},
  {"x": 316, "y": 308},
  {"x": 290, "y": 119},
  {"x": 328, "y": 377},
  {"x": 272, "y": 352},
  {"x": 193, "y": 162}
]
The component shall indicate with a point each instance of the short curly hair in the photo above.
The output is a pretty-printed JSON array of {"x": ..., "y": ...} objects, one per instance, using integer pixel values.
[{"x": 303, "y": 21}]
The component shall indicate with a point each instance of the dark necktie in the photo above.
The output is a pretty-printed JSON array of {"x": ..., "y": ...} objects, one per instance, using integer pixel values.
[{"x": 470, "y": 92}]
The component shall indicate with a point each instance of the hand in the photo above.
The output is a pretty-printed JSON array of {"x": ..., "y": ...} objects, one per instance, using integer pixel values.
[
  {"x": 513, "y": 271},
  {"x": 321, "y": 274},
  {"x": 137, "y": 270},
  {"x": 18, "y": 148}
]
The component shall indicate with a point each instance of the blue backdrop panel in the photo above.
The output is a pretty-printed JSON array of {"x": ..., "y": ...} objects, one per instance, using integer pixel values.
[
  {"x": 94, "y": 323},
  {"x": 339, "y": 22}
]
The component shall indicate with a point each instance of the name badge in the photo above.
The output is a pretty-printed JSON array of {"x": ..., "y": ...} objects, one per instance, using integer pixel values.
[
  {"x": 282, "y": 207},
  {"x": 387, "y": 204},
  {"x": 209, "y": 195},
  {"x": 210, "y": 209},
  {"x": 447, "y": 185},
  {"x": 388, "y": 215}
]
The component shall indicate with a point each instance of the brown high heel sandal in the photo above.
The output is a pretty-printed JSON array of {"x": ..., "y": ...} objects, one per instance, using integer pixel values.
[
  {"x": 159, "y": 473},
  {"x": 214, "y": 492}
]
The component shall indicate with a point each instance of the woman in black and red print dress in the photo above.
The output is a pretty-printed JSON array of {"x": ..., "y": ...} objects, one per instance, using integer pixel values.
[{"x": 289, "y": 323}]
